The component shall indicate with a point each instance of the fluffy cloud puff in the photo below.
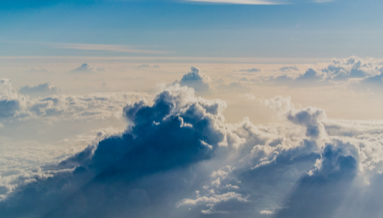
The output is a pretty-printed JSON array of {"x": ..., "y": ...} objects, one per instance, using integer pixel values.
[
  {"x": 178, "y": 158},
  {"x": 196, "y": 80}
]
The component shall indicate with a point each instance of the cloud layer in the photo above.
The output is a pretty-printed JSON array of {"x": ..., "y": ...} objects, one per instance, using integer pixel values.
[
  {"x": 178, "y": 157},
  {"x": 45, "y": 102}
]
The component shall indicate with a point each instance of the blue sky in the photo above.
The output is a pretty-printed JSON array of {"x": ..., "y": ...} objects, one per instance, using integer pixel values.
[{"x": 179, "y": 28}]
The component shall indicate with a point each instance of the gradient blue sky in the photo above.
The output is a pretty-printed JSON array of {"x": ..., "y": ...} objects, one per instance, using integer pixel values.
[{"x": 178, "y": 28}]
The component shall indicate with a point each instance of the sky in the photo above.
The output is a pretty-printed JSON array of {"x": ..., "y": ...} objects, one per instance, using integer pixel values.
[
  {"x": 299, "y": 29},
  {"x": 191, "y": 108}
]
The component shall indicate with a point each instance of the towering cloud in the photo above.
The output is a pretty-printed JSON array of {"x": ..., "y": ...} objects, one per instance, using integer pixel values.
[{"x": 177, "y": 131}]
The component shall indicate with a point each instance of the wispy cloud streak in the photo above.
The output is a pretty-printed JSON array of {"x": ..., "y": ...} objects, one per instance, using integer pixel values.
[
  {"x": 243, "y": 2},
  {"x": 105, "y": 47}
]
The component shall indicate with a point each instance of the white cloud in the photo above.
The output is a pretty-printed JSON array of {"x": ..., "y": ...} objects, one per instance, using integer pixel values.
[{"x": 15, "y": 106}]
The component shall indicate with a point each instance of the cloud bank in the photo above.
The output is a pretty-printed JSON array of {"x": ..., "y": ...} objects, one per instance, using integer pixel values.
[
  {"x": 354, "y": 71},
  {"x": 178, "y": 157},
  {"x": 45, "y": 102}
]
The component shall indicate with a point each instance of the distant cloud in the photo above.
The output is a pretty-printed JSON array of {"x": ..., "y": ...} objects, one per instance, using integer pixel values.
[
  {"x": 5, "y": 87},
  {"x": 252, "y": 70},
  {"x": 40, "y": 90},
  {"x": 10, "y": 102},
  {"x": 196, "y": 80},
  {"x": 310, "y": 74},
  {"x": 353, "y": 67},
  {"x": 293, "y": 68},
  {"x": 83, "y": 68},
  {"x": 54, "y": 106},
  {"x": 339, "y": 70},
  {"x": 148, "y": 66}
]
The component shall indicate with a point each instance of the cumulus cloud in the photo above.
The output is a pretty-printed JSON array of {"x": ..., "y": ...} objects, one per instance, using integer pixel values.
[
  {"x": 177, "y": 131},
  {"x": 353, "y": 67},
  {"x": 40, "y": 90},
  {"x": 196, "y": 80},
  {"x": 179, "y": 158},
  {"x": 83, "y": 68},
  {"x": 310, "y": 74},
  {"x": 306, "y": 162},
  {"x": 325, "y": 187}
]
